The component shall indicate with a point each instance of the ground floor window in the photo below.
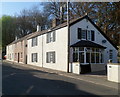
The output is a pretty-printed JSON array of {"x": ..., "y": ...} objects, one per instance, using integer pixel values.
[
  {"x": 87, "y": 55},
  {"x": 88, "y": 58},
  {"x": 50, "y": 57},
  {"x": 34, "y": 57},
  {"x": 81, "y": 57},
  {"x": 75, "y": 55}
]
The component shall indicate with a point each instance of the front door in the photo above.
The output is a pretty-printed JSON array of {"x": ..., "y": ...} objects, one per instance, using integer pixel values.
[{"x": 18, "y": 57}]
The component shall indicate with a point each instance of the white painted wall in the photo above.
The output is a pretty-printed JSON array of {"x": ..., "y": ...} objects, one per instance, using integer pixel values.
[
  {"x": 98, "y": 38},
  {"x": 113, "y": 72},
  {"x": 59, "y": 46},
  {"x": 10, "y": 50},
  {"x": 35, "y": 49},
  {"x": 75, "y": 68}
]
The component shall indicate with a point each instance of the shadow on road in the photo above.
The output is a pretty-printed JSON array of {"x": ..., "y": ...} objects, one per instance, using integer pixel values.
[{"x": 23, "y": 82}]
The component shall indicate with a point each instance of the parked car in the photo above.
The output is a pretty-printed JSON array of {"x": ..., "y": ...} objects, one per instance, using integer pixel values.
[{"x": 5, "y": 57}]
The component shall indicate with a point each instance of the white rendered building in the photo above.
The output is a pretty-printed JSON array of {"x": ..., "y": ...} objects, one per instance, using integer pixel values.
[{"x": 87, "y": 45}]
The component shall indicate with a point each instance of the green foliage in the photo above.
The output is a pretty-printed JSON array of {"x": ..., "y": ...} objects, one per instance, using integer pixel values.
[
  {"x": 0, "y": 33},
  {"x": 8, "y": 29}
]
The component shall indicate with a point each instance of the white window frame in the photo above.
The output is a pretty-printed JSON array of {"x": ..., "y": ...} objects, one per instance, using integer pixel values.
[
  {"x": 51, "y": 57},
  {"x": 34, "y": 41},
  {"x": 51, "y": 37},
  {"x": 83, "y": 34},
  {"x": 34, "y": 57},
  {"x": 90, "y": 51},
  {"x": 111, "y": 54}
]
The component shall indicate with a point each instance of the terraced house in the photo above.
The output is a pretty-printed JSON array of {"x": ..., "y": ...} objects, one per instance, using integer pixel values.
[{"x": 84, "y": 46}]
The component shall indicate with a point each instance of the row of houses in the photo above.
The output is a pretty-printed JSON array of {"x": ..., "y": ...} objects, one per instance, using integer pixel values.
[{"x": 60, "y": 47}]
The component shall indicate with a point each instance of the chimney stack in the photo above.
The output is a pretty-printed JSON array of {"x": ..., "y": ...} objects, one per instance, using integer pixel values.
[
  {"x": 55, "y": 22},
  {"x": 16, "y": 38},
  {"x": 38, "y": 28}
]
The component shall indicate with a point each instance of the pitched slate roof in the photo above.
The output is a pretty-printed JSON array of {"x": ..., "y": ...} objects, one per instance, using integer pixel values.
[
  {"x": 85, "y": 43},
  {"x": 72, "y": 22}
]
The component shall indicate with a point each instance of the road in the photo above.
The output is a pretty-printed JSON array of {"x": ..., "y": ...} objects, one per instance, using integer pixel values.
[{"x": 19, "y": 80}]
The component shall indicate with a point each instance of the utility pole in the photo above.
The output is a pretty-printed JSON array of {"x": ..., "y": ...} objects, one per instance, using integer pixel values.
[{"x": 68, "y": 34}]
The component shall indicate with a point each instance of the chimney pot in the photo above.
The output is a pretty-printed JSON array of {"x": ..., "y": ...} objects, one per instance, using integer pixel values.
[{"x": 38, "y": 28}]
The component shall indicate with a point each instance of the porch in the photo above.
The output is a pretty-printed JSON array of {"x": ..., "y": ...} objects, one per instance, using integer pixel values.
[{"x": 86, "y": 56}]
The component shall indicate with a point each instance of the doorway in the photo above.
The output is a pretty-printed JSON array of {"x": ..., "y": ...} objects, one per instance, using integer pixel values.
[{"x": 18, "y": 57}]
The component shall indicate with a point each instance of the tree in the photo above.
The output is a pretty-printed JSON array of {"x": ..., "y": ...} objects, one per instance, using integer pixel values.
[
  {"x": 104, "y": 14},
  {"x": 28, "y": 19},
  {"x": 0, "y": 33},
  {"x": 55, "y": 10},
  {"x": 8, "y": 29}
]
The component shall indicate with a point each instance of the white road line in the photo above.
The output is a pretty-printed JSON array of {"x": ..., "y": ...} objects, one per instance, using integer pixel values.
[
  {"x": 9, "y": 75},
  {"x": 29, "y": 89},
  {"x": 70, "y": 76}
]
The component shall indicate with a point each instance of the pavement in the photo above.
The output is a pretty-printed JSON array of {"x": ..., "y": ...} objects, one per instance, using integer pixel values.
[{"x": 95, "y": 78}]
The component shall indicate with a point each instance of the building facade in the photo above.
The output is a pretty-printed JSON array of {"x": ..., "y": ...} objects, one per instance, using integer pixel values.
[{"x": 54, "y": 49}]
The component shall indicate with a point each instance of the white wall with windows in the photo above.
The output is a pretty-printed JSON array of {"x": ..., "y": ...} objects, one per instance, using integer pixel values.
[
  {"x": 55, "y": 49},
  {"x": 10, "y": 52},
  {"x": 34, "y": 51},
  {"x": 50, "y": 51},
  {"x": 89, "y": 32}
]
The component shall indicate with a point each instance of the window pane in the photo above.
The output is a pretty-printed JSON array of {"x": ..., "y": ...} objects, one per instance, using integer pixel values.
[
  {"x": 110, "y": 54},
  {"x": 83, "y": 34},
  {"x": 81, "y": 57},
  {"x": 88, "y": 35},
  {"x": 79, "y": 33},
  {"x": 47, "y": 57},
  {"x": 92, "y": 35},
  {"x": 97, "y": 50},
  {"x": 81, "y": 49},
  {"x": 92, "y": 58},
  {"x": 53, "y": 57},
  {"x": 50, "y": 57},
  {"x": 34, "y": 57},
  {"x": 54, "y": 36},
  {"x": 93, "y": 49},
  {"x": 88, "y": 57},
  {"x": 97, "y": 57},
  {"x": 75, "y": 57},
  {"x": 101, "y": 60},
  {"x": 34, "y": 41},
  {"x": 88, "y": 49}
]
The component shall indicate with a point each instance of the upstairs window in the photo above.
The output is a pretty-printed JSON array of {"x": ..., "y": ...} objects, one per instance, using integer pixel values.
[
  {"x": 83, "y": 34},
  {"x": 50, "y": 57},
  {"x": 51, "y": 37},
  {"x": 34, "y": 41},
  {"x": 92, "y": 35},
  {"x": 110, "y": 54},
  {"x": 86, "y": 34}
]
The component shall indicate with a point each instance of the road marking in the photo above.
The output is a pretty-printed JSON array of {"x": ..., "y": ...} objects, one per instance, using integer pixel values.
[
  {"x": 29, "y": 89},
  {"x": 65, "y": 75},
  {"x": 9, "y": 75}
]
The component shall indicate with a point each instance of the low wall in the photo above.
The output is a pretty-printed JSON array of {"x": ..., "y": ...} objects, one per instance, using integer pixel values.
[
  {"x": 97, "y": 67},
  {"x": 74, "y": 68},
  {"x": 113, "y": 72}
]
